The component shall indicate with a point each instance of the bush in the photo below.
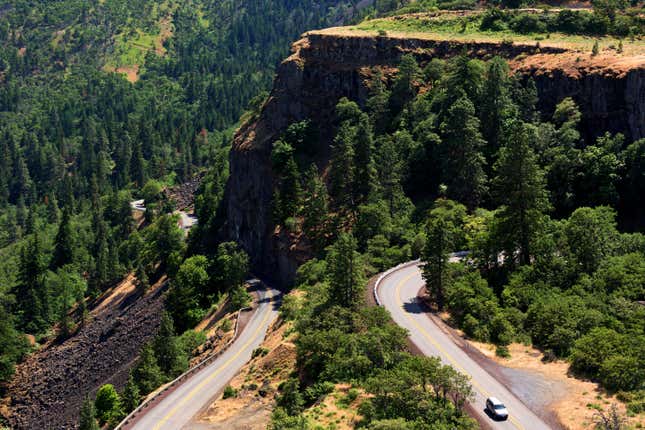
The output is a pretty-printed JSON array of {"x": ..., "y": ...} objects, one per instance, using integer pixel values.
[
  {"x": 108, "y": 405},
  {"x": 620, "y": 372},
  {"x": 317, "y": 391},
  {"x": 190, "y": 340},
  {"x": 229, "y": 392},
  {"x": 240, "y": 298}
]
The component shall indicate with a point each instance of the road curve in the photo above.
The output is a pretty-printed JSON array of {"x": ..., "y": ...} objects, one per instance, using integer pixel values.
[
  {"x": 177, "y": 408},
  {"x": 398, "y": 292}
]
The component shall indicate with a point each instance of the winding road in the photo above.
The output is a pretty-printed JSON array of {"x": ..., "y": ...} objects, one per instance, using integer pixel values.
[
  {"x": 176, "y": 409},
  {"x": 398, "y": 291}
]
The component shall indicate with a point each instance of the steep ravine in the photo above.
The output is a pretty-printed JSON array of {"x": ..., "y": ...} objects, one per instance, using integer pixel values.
[{"x": 324, "y": 67}]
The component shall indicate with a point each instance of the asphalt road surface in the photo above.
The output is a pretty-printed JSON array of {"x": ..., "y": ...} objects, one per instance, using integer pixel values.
[
  {"x": 178, "y": 408},
  {"x": 398, "y": 294}
]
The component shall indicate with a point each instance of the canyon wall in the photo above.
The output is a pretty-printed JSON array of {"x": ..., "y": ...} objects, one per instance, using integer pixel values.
[{"x": 325, "y": 67}]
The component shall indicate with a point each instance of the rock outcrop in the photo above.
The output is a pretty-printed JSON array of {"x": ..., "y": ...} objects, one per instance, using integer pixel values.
[
  {"x": 49, "y": 386},
  {"x": 326, "y": 66}
]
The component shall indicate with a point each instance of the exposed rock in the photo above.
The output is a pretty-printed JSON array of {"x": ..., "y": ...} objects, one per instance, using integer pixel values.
[
  {"x": 325, "y": 67},
  {"x": 49, "y": 387}
]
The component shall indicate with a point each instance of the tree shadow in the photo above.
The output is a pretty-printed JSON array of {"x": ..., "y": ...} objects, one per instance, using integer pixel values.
[{"x": 414, "y": 306}]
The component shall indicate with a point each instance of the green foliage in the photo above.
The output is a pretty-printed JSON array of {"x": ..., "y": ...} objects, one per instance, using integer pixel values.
[
  {"x": 147, "y": 372},
  {"x": 171, "y": 357},
  {"x": 108, "y": 405},
  {"x": 183, "y": 299},
  {"x": 229, "y": 392},
  {"x": 87, "y": 419},
  {"x": 240, "y": 298},
  {"x": 346, "y": 273},
  {"x": 131, "y": 396}
]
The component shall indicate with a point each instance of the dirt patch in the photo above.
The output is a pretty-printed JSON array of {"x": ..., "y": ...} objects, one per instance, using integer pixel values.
[{"x": 49, "y": 386}]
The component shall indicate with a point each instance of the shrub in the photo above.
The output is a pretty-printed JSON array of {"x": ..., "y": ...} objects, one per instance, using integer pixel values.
[
  {"x": 240, "y": 298},
  {"x": 317, "y": 391},
  {"x": 229, "y": 392},
  {"x": 108, "y": 404}
]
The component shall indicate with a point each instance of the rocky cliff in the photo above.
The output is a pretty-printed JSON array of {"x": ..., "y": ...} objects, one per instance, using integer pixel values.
[{"x": 328, "y": 65}]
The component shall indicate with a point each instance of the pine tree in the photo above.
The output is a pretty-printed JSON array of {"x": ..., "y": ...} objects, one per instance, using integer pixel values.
[
  {"x": 364, "y": 166},
  {"x": 496, "y": 105},
  {"x": 63, "y": 243},
  {"x": 462, "y": 162},
  {"x": 171, "y": 359},
  {"x": 290, "y": 190},
  {"x": 32, "y": 297},
  {"x": 435, "y": 257},
  {"x": 520, "y": 187},
  {"x": 377, "y": 104},
  {"x": 404, "y": 89},
  {"x": 142, "y": 282},
  {"x": 341, "y": 173},
  {"x": 346, "y": 274},
  {"x": 316, "y": 209},
  {"x": 88, "y": 416},
  {"x": 147, "y": 373},
  {"x": 131, "y": 396}
]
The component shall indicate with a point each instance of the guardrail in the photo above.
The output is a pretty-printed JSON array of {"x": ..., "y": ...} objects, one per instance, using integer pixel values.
[
  {"x": 387, "y": 273},
  {"x": 460, "y": 255},
  {"x": 132, "y": 415}
]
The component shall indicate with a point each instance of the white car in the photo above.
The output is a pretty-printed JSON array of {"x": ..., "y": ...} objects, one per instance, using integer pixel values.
[{"x": 496, "y": 408}]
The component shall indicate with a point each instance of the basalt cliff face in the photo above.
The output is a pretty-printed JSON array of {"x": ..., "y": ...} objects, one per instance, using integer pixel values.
[{"x": 326, "y": 66}]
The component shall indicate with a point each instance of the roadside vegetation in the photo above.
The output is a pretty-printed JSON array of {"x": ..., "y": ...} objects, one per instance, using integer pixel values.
[
  {"x": 470, "y": 164},
  {"x": 341, "y": 340}
]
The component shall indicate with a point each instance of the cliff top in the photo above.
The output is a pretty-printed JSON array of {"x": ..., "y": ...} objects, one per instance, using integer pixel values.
[{"x": 465, "y": 27}]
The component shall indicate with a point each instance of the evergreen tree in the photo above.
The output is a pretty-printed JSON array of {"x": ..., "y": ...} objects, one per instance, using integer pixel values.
[
  {"x": 404, "y": 87},
  {"x": 346, "y": 275},
  {"x": 63, "y": 243},
  {"x": 377, "y": 104},
  {"x": 520, "y": 189},
  {"x": 316, "y": 209},
  {"x": 88, "y": 416},
  {"x": 341, "y": 171},
  {"x": 364, "y": 166},
  {"x": 32, "y": 297},
  {"x": 131, "y": 396},
  {"x": 496, "y": 105},
  {"x": 435, "y": 257},
  {"x": 147, "y": 372},
  {"x": 170, "y": 357},
  {"x": 461, "y": 158}
]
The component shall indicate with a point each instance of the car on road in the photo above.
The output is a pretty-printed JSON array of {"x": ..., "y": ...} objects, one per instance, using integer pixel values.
[{"x": 496, "y": 408}]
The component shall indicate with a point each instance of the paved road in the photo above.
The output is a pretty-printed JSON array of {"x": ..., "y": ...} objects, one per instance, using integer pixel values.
[
  {"x": 181, "y": 405},
  {"x": 398, "y": 293}
]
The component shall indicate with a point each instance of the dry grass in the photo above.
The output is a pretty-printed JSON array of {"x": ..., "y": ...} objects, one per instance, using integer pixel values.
[
  {"x": 334, "y": 412},
  {"x": 250, "y": 409}
]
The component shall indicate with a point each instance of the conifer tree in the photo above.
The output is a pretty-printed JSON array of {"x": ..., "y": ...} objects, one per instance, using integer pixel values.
[
  {"x": 147, "y": 373},
  {"x": 461, "y": 159},
  {"x": 88, "y": 416},
  {"x": 131, "y": 396},
  {"x": 63, "y": 243},
  {"x": 346, "y": 275},
  {"x": 496, "y": 105},
  {"x": 364, "y": 166},
  {"x": 316, "y": 209},
  {"x": 435, "y": 257},
  {"x": 170, "y": 357},
  {"x": 341, "y": 174},
  {"x": 32, "y": 298},
  {"x": 520, "y": 188}
]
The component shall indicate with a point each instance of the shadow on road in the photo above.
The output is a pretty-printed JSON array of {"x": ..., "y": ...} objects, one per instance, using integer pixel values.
[
  {"x": 414, "y": 307},
  {"x": 493, "y": 417}
]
